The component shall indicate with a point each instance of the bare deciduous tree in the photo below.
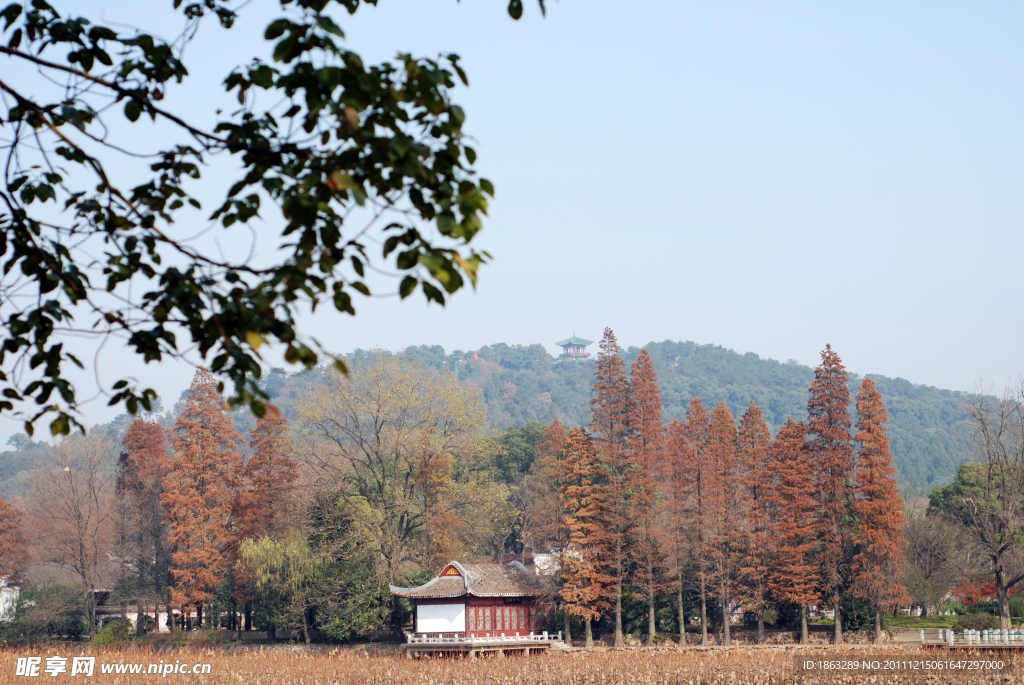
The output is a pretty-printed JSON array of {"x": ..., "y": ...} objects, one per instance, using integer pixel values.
[
  {"x": 72, "y": 510},
  {"x": 988, "y": 497}
]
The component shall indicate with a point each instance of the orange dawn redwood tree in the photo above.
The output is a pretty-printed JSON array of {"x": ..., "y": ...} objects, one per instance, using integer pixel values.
[
  {"x": 879, "y": 510},
  {"x": 543, "y": 517},
  {"x": 268, "y": 478},
  {"x": 609, "y": 427},
  {"x": 758, "y": 484},
  {"x": 261, "y": 507},
  {"x": 675, "y": 533},
  {"x": 141, "y": 480},
  {"x": 13, "y": 549},
  {"x": 698, "y": 498},
  {"x": 830, "y": 444},
  {"x": 794, "y": 576},
  {"x": 585, "y": 578},
  {"x": 200, "y": 488},
  {"x": 646, "y": 451},
  {"x": 727, "y": 527}
]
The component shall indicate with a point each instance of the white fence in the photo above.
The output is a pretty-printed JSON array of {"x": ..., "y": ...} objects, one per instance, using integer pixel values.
[{"x": 416, "y": 639}]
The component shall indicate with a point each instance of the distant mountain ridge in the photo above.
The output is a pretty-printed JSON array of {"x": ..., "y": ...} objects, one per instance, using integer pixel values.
[{"x": 525, "y": 383}]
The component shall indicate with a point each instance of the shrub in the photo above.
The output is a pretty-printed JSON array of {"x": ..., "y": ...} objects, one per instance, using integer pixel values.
[
  {"x": 1017, "y": 606},
  {"x": 52, "y": 612},
  {"x": 114, "y": 632},
  {"x": 979, "y": 621}
]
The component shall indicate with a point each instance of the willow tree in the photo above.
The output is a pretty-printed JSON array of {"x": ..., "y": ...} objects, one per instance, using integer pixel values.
[
  {"x": 290, "y": 567},
  {"x": 387, "y": 443}
]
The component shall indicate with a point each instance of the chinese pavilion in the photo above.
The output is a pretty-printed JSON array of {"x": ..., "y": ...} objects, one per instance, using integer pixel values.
[
  {"x": 574, "y": 348},
  {"x": 476, "y": 601}
]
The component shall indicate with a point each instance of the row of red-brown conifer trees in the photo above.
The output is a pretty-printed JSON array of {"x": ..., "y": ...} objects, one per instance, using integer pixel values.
[
  {"x": 805, "y": 518},
  {"x": 191, "y": 498}
]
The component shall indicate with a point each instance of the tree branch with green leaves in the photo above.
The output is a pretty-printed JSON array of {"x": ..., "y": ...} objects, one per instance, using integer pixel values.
[{"x": 365, "y": 168}]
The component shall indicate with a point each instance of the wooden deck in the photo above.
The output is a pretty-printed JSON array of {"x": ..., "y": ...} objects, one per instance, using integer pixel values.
[{"x": 416, "y": 646}]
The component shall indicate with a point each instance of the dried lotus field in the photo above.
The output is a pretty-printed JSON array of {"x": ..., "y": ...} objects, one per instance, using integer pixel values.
[{"x": 284, "y": 666}]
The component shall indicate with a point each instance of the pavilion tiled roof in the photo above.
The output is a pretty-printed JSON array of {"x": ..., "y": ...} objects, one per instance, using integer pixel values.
[
  {"x": 478, "y": 580},
  {"x": 574, "y": 341},
  {"x": 41, "y": 574}
]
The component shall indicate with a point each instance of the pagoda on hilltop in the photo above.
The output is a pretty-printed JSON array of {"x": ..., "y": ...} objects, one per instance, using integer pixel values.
[{"x": 574, "y": 348}]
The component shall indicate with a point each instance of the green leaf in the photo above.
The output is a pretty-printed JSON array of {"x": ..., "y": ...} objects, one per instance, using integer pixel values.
[
  {"x": 406, "y": 288},
  {"x": 10, "y": 13},
  {"x": 328, "y": 25},
  {"x": 132, "y": 110}
]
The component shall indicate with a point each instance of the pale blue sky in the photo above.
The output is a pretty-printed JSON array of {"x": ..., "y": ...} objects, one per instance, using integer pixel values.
[{"x": 770, "y": 177}]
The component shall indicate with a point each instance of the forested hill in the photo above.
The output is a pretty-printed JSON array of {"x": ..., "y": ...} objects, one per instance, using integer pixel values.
[{"x": 524, "y": 383}]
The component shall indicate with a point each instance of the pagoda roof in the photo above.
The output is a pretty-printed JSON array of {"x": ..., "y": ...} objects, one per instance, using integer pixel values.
[
  {"x": 478, "y": 580},
  {"x": 574, "y": 341}
]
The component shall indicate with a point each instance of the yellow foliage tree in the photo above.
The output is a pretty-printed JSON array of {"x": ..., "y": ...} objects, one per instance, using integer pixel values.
[{"x": 390, "y": 438}]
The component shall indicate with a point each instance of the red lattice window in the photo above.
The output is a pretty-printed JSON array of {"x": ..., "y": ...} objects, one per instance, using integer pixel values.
[
  {"x": 522, "y": 617},
  {"x": 508, "y": 618},
  {"x": 472, "y": 618},
  {"x": 487, "y": 617},
  {"x": 515, "y": 619}
]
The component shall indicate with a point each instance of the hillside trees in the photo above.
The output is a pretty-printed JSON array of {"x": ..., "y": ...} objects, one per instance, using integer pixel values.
[
  {"x": 794, "y": 577},
  {"x": 586, "y": 579},
  {"x": 879, "y": 510},
  {"x": 200, "y": 487},
  {"x": 831, "y": 450},
  {"x": 609, "y": 426}
]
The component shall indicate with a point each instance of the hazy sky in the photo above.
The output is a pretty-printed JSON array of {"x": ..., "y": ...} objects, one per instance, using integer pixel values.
[{"x": 770, "y": 177}]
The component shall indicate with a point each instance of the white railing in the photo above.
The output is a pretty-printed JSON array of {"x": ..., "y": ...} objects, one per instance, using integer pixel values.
[{"x": 418, "y": 639}]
